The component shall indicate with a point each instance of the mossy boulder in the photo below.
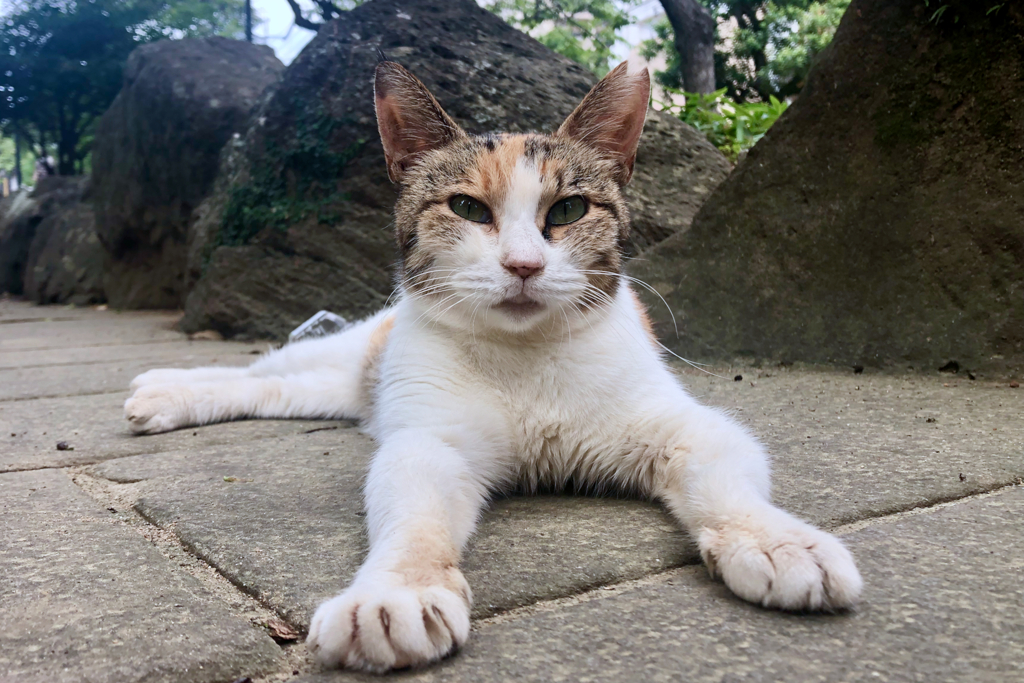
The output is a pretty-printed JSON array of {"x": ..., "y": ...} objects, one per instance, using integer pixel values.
[
  {"x": 300, "y": 216},
  {"x": 880, "y": 222}
]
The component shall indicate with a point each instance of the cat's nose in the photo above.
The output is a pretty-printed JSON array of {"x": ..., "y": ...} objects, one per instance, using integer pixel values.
[{"x": 524, "y": 269}]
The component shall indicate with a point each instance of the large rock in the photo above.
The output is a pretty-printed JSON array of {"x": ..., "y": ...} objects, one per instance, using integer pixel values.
[
  {"x": 65, "y": 259},
  {"x": 300, "y": 218},
  {"x": 881, "y": 220},
  {"x": 49, "y": 250},
  {"x": 156, "y": 156},
  {"x": 19, "y": 216}
]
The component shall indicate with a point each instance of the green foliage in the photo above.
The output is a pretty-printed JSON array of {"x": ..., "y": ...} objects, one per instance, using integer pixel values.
[
  {"x": 61, "y": 61},
  {"x": 194, "y": 19},
  {"x": 940, "y": 10},
  {"x": 28, "y": 160},
  {"x": 583, "y": 30},
  {"x": 292, "y": 182},
  {"x": 769, "y": 53},
  {"x": 732, "y": 128}
]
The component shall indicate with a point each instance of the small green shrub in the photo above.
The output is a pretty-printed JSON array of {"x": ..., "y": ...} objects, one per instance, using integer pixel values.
[{"x": 732, "y": 128}]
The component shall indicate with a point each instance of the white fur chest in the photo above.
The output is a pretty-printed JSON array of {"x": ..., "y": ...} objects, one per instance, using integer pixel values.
[{"x": 549, "y": 410}]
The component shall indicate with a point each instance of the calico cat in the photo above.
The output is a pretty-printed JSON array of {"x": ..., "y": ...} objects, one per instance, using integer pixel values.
[{"x": 516, "y": 354}]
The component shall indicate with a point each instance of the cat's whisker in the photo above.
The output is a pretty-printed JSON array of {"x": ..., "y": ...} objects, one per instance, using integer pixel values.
[
  {"x": 583, "y": 316},
  {"x": 438, "y": 317},
  {"x": 435, "y": 306},
  {"x": 696, "y": 366},
  {"x": 693, "y": 364},
  {"x": 642, "y": 284}
]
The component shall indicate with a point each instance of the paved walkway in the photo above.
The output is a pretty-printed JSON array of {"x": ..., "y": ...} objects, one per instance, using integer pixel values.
[{"x": 199, "y": 555}]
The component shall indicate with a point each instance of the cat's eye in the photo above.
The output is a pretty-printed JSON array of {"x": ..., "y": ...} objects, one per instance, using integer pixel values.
[
  {"x": 470, "y": 209},
  {"x": 568, "y": 210}
]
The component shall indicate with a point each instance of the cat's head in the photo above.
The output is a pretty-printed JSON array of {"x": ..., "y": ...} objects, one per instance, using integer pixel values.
[{"x": 511, "y": 232}]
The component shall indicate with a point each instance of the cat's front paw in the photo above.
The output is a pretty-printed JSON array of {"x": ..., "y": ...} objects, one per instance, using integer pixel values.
[
  {"x": 157, "y": 408},
  {"x": 778, "y": 561},
  {"x": 381, "y": 626}
]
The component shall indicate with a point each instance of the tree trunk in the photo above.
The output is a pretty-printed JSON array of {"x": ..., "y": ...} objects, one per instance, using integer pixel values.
[
  {"x": 17, "y": 158},
  {"x": 694, "y": 30}
]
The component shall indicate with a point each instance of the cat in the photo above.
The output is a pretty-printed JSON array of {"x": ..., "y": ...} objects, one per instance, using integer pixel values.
[{"x": 516, "y": 355}]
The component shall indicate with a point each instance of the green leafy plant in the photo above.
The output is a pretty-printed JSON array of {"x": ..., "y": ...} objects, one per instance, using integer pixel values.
[
  {"x": 938, "y": 10},
  {"x": 732, "y": 128}
]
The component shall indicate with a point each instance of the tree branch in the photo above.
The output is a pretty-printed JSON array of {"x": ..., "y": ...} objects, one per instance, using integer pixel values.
[
  {"x": 569, "y": 19},
  {"x": 301, "y": 21},
  {"x": 328, "y": 9}
]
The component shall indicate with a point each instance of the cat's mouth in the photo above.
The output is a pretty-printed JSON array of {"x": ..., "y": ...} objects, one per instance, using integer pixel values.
[{"x": 520, "y": 306}]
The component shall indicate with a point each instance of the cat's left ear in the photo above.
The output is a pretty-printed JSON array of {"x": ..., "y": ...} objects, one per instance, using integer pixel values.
[
  {"x": 611, "y": 117},
  {"x": 409, "y": 119}
]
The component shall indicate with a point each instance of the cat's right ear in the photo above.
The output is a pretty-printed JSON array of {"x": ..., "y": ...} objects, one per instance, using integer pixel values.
[{"x": 409, "y": 119}]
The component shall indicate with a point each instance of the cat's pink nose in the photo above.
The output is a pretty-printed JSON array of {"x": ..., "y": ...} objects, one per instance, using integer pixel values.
[{"x": 524, "y": 269}]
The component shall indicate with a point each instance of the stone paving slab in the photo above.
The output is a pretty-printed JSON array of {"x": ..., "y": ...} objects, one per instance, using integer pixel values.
[
  {"x": 848, "y": 446},
  {"x": 94, "y": 426},
  {"x": 19, "y": 384},
  {"x": 83, "y": 599},
  {"x": 561, "y": 545},
  {"x": 289, "y": 528},
  {"x": 100, "y": 329},
  {"x": 943, "y": 602},
  {"x": 13, "y": 310},
  {"x": 157, "y": 353}
]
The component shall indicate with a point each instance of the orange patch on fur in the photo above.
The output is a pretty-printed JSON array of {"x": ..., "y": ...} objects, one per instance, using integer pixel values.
[
  {"x": 379, "y": 337},
  {"x": 645, "y": 319},
  {"x": 550, "y": 166},
  {"x": 430, "y": 558},
  {"x": 371, "y": 358},
  {"x": 492, "y": 174}
]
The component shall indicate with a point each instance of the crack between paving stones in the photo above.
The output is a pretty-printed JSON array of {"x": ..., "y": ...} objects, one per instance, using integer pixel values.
[
  {"x": 39, "y": 320},
  {"x": 346, "y": 424},
  {"x": 606, "y": 590},
  {"x": 113, "y": 361},
  {"x": 584, "y": 593},
  {"x": 195, "y": 551},
  {"x": 297, "y": 658},
  {"x": 216, "y": 585},
  {"x": 937, "y": 504},
  {"x": 840, "y": 528},
  {"x": 88, "y": 393},
  {"x": 93, "y": 346}
]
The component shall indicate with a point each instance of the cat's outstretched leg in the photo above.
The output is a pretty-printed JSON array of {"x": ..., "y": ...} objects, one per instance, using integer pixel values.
[
  {"x": 155, "y": 408},
  {"x": 409, "y": 603},
  {"x": 319, "y": 378},
  {"x": 715, "y": 479},
  {"x": 186, "y": 376}
]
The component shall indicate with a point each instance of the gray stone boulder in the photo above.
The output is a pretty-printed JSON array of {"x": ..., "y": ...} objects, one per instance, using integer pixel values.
[
  {"x": 65, "y": 260},
  {"x": 881, "y": 220},
  {"x": 19, "y": 217},
  {"x": 156, "y": 156},
  {"x": 49, "y": 250},
  {"x": 300, "y": 217}
]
